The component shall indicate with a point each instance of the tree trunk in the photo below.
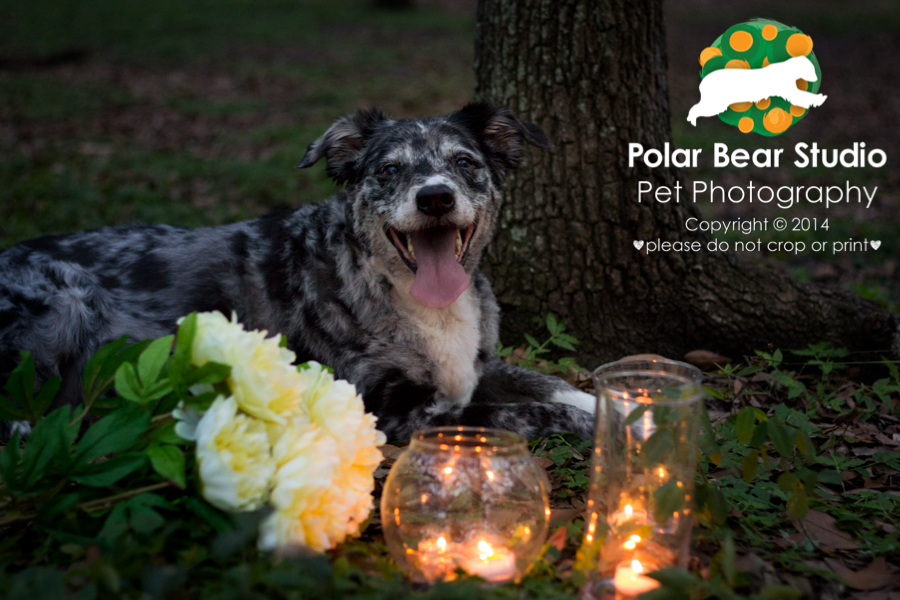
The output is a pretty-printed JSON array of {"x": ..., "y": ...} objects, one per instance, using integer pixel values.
[{"x": 592, "y": 74}]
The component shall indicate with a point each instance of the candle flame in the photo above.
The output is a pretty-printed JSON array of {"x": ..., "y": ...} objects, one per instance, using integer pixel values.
[
  {"x": 442, "y": 543},
  {"x": 448, "y": 470},
  {"x": 636, "y": 566},
  {"x": 424, "y": 498},
  {"x": 630, "y": 544},
  {"x": 635, "y": 538},
  {"x": 490, "y": 475},
  {"x": 485, "y": 549},
  {"x": 628, "y": 510},
  {"x": 662, "y": 472}
]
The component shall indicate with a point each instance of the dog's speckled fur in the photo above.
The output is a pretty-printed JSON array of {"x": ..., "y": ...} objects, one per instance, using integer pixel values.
[{"x": 327, "y": 276}]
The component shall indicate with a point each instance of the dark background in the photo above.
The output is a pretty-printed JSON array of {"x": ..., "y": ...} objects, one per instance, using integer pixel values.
[{"x": 194, "y": 113}]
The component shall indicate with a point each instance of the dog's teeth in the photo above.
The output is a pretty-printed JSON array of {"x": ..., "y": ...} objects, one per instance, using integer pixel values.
[
  {"x": 409, "y": 247},
  {"x": 458, "y": 244}
]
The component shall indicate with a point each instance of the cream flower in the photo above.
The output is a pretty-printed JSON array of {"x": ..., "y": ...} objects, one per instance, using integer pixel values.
[
  {"x": 234, "y": 457},
  {"x": 302, "y": 497},
  {"x": 323, "y": 485},
  {"x": 263, "y": 380}
]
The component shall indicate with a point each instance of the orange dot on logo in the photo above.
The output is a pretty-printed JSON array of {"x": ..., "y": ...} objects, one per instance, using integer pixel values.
[
  {"x": 797, "y": 111},
  {"x": 745, "y": 124},
  {"x": 799, "y": 44},
  {"x": 766, "y": 62},
  {"x": 709, "y": 53},
  {"x": 777, "y": 120},
  {"x": 737, "y": 63},
  {"x": 741, "y": 41},
  {"x": 802, "y": 84},
  {"x": 740, "y": 106},
  {"x": 764, "y": 103},
  {"x": 769, "y": 32}
]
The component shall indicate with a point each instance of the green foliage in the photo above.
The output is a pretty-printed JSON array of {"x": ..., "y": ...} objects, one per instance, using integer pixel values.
[{"x": 534, "y": 355}]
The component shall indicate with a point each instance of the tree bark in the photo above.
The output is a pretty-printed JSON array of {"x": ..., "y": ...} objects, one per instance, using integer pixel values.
[{"x": 593, "y": 75}]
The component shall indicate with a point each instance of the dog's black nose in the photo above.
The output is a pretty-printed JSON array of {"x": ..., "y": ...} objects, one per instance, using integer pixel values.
[{"x": 435, "y": 200}]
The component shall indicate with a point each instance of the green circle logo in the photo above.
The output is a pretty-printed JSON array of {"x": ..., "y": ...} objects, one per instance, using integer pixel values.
[{"x": 756, "y": 45}]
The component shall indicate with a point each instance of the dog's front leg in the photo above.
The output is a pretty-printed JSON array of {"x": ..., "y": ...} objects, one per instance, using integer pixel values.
[{"x": 530, "y": 418}]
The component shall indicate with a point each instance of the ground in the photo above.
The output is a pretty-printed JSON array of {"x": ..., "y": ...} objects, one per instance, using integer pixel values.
[{"x": 195, "y": 113}]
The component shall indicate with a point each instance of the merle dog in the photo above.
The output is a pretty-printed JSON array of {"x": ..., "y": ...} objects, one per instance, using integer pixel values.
[{"x": 381, "y": 282}]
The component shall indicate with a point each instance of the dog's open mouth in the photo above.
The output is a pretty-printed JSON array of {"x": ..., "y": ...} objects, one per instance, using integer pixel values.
[{"x": 436, "y": 255}]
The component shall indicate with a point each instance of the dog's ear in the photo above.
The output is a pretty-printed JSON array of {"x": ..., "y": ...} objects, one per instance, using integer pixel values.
[
  {"x": 342, "y": 144},
  {"x": 500, "y": 132}
]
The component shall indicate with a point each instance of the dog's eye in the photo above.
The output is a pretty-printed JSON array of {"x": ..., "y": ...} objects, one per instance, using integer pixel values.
[
  {"x": 390, "y": 170},
  {"x": 463, "y": 162}
]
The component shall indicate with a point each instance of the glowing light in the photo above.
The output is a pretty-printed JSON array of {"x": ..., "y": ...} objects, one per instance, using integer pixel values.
[
  {"x": 636, "y": 566},
  {"x": 485, "y": 549},
  {"x": 448, "y": 470},
  {"x": 628, "y": 510},
  {"x": 629, "y": 545},
  {"x": 635, "y": 538},
  {"x": 490, "y": 475},
  {"x": 424, "y": 498},
  {"x": 442, "y": 544}
]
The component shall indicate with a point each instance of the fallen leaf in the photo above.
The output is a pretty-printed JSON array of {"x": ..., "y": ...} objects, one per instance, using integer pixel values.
[
  {"x": 558, "y": 539},
  {"x": 787, "y": 542},
  {"x": 876, "y": 575},
  {"x": 561, "y": 516},
  {"x": 821, "y": 527},
  {"x": 705, "y": 360},
  {"x": 888, "y": 441},
  {"x": 390, "y": 451},
  {"x": 543, "y": 462}
]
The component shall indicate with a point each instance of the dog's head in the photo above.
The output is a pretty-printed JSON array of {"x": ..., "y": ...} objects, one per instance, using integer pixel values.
[
  {"x": 426, "y": 192},
  {"x": 804, "y": 68}
]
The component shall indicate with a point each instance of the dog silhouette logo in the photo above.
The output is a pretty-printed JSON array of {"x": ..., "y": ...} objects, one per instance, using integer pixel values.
[{"x": 759, "y": 76}]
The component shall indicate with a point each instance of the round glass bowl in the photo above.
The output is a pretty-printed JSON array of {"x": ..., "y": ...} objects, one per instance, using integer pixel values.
[{"x": 465, "y": 498}]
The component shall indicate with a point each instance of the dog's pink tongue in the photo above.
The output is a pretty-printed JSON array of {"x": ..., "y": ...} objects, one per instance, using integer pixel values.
[{"x": 439, "y": 278}]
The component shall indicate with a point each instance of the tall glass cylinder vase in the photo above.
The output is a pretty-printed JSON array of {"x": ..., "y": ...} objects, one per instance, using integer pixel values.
[{"x": 641, "y": 492}]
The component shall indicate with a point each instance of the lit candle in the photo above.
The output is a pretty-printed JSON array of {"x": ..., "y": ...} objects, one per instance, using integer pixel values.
[
  {"x": 628, "y": 513},
  {"x": 491, "y": 565},
  {"x": 630, "y": 581}
]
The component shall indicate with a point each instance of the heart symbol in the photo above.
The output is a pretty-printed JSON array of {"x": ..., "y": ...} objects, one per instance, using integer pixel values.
[
  {"x": 876, "y": 244},
  {"x": 638, "y": 244}
]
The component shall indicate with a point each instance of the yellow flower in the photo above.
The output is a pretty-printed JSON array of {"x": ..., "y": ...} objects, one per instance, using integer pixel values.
[
  {"x": 234, "y": 457},
  {"x": 323, "y": 484},
  {"x": 263, "y": 380}
]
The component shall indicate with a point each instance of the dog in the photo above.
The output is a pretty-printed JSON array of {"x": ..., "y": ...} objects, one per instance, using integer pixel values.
[
  {"x": 725, "y": 87},
  {"x": 380, "y": 282}
]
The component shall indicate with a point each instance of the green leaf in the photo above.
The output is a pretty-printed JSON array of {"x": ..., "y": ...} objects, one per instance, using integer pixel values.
[
  {"x": 127, "y": 383},
  {"x": 57, "y": 505},
  {"x": 153, "y": 359},
  {"x": 760, "y": 435},
  {"x": 782, "y": 436},
  {"x": 108, "y": 472},
  {"x": 20, "y": 385},
  {"x": 798, "y": 505},
  {"x": 168, "y": 461},
  {"x": 778, "y": 592},
  {"x": 667, "y": 500},
  {"x": 213, "y": 517},
  {"x": 743, "y": 424},
  {"x": 46, "y": 396},
  {"x": 211, "y": 373},
  {"x": 749, "y": 466},
  {"x": 116, "y": 523},
  {"x": 636, "y": 414},
  {"x": 729, "y": 556},
  {"x": 787, "y": 481},
  {"x": 552, "y": 325},
  {"x": 116, "y": 432},
  {"x": 102, "y": 367},
  {"x": 9, "y": 462},
  {"x": 532, "y": 342},
  {"x": 674, "y": 578},
  {"x": 47, "y": 445},
  {"x": 12, "y": 412},
  {"x": 657, "y": 447}
]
